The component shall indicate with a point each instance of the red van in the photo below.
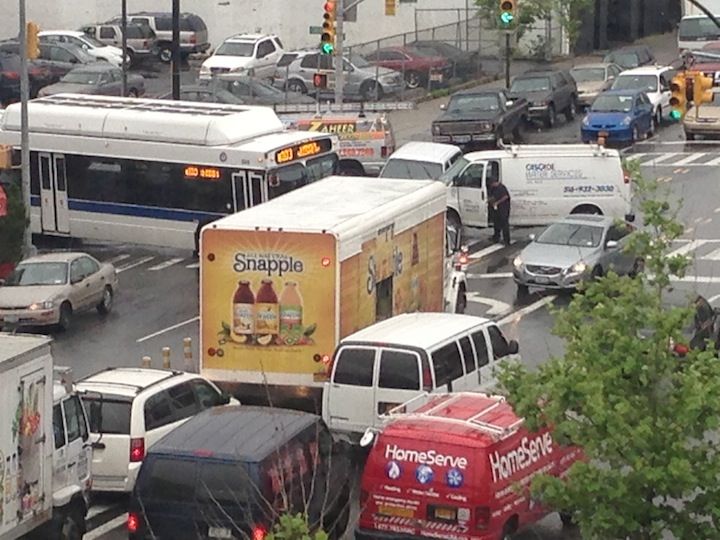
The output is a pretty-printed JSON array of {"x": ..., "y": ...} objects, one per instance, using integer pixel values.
[{"x": 451, "y": 470}]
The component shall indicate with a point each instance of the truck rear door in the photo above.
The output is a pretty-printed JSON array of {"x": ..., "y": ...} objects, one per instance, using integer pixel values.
[{"x": 31, "y": 458}]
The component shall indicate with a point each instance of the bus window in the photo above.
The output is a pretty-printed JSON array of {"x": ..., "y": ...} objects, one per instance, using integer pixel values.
[
  {"x": 320, "y": 167},
  {"x": 285, "y": 179}
]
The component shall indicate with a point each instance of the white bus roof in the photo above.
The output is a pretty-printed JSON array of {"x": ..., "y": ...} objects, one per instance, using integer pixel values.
[
  {"x": 424, "y": 330},
  {"x": 351, "y": 208},
  {"x": 180, "y": 122},
  {"x": 546, "y": 151}
]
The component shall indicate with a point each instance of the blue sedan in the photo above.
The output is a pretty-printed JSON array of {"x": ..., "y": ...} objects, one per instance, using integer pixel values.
[{"x": 619, "y": 116}]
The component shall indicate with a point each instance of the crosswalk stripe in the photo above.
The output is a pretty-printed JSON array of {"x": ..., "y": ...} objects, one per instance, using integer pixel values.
[
  {"x": 690, "y": 158},
  {"x": 134, "y": 264},
  {"x": 165, "y": 264},
  {"x": 713, "y": 256},
  {"x": 193, "y": 265},
  {"x": 119, "y": 258},
  {"x": 687, "y": 248},
  {"x": 637, "y": 157},
  {"x": 715, "y": 161},
  {"x": 665, "y": 157},
  {"x": 96, "y": 510},
  {"x": 106, "y": 527}
]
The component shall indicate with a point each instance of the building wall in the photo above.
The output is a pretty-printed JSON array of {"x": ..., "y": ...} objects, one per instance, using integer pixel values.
[{"x": 289, "y": 19}]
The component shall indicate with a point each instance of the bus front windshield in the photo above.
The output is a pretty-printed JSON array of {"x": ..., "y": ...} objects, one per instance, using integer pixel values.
[{"x": 285, "y": 179}]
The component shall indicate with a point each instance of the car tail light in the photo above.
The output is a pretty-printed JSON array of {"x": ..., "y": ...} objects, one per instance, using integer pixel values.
[
  {"x": 259, "y": 532},
  {"x": 10, "y": 74},
  {"x": 137, "y": 450},
  {"x": 193, "y": 39},
  {"x": 133, "y": 522},
  {"x": 482, "y": 517},
  {"x": 681, "y": 349},
  {"x": 427, "y": 378}
]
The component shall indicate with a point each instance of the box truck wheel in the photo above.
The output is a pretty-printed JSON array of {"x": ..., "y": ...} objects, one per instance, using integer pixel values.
[
  {"x": 453, "y": 219},
  {"x": 67, "y": 526}
]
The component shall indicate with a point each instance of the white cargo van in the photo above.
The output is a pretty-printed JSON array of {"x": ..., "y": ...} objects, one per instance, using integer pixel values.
[
  {"x": 398, "y": 359},
  {"x": 546, "y": 182}
]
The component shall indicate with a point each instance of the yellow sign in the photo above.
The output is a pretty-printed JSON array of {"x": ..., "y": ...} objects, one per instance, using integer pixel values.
[
  {"x": 268, "y": 300},
  {"x": 303, "y": 150},
  {"x": 389, "y": 7}
]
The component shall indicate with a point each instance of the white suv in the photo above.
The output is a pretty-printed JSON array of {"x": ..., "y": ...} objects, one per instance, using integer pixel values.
[
  {"x": 130, "y": 409},
  {"x": 655, "y": 81},
  {"x": 92, "y": 46},
  {"x": 251, "y": 54}
]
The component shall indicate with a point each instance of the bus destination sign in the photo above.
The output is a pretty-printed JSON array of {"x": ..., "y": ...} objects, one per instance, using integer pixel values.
[{"x": 302, "y": 150}]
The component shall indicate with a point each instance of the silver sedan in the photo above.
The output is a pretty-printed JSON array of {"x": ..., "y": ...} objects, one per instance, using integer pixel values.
[{"x": 572, "y": 250}]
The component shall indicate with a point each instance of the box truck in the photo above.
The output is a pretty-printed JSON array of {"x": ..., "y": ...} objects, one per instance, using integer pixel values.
[
  {"x": 45, "y": 452},
  {"x": 282, "y": 282}
]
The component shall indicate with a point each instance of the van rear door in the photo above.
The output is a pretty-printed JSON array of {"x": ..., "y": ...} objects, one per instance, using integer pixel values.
[
  {"x": 399, "y": 380},
  {"x": 110, "y": 429},
  {"x": 349, "y": 397}
]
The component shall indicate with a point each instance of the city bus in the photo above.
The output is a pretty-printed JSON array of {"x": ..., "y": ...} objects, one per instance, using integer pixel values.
[{"x": 154, "y": 171}]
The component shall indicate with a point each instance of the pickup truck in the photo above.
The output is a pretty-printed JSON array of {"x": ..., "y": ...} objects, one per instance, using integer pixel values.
[{"x": 473, "y": 118}]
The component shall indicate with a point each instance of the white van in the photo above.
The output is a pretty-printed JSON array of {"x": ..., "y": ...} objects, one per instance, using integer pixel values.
[
  {"x": 546, "y": 182},
  {"x": 398, "y": 359},
  {"x": 696, "y": 31}
]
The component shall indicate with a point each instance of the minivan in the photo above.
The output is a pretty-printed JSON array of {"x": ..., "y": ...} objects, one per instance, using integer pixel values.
[
  {"x": 395, "y": 360},
  {"x": 231, "y": 472}
]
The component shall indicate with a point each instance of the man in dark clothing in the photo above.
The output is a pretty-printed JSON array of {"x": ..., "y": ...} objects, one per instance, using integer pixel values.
[{"x": 499, "y": 199}]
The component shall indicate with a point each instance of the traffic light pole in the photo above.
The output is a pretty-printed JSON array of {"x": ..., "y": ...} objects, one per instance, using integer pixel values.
[
  {"x": 123, "y": 30},
  {"x": 339, "y": 38},
  {"x": 28, "y": 248},
  {"x": 507, "y": 59}
]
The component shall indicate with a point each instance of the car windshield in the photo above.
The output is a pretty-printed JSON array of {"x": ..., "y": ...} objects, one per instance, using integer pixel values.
[
  {"x": 82, "y": 55},
  {"x": 454, "y": 170},
  {"x": 359, "y": 62},
  {"x": 411, "y": 169},
  {"x": 571, "y": 234},
  {"x": 648, "y": 83},
  {"x": 80, "y": 76},
  {"x": 474, "y": 103},
  {"x": 39, "y": 273},
  {"x": 612, "y": 103},
  {"x": 588, "y": 74},
  {"x": 231, "y": 48},
  {"x": 531, "y": 84},
  {"x": 627, "y": 60},
  {"x": 698, "y": 28},
  {"x": 92, "y": 41}
]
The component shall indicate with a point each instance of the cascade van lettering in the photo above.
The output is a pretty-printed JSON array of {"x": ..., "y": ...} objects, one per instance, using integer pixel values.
[
  {"x": 430, "y": 457},
  {"x": 527, "y": 453},
  {"x": 269, "y": 263}
]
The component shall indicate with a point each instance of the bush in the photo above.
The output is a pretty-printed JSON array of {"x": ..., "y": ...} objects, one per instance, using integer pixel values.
[{"x": 12, "y": 226}]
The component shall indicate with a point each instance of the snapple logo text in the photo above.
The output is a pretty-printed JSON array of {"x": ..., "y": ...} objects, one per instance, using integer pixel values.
[
  {"x": 527, "y": 453},
  {"x": 269, "y": 263},
  {"x": 431, "y": 457}
]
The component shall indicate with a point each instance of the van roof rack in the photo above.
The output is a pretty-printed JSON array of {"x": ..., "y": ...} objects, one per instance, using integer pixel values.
[{"x": 329, "y": 107}]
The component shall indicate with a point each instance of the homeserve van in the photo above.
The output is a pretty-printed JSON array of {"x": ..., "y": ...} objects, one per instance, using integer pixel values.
[
  {"x": 405, "y": 357},
  {"x": 459, "y": 468},
  {"x": 546, "y": 182}
]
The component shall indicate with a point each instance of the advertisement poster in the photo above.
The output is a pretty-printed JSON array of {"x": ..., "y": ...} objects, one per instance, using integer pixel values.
[{"x": 267, "y": 300}]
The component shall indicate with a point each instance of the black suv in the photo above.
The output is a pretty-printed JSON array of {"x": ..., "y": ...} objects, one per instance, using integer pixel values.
[
  {"x": 549, "y": 92},
  {"x": 230, "y": 472}
]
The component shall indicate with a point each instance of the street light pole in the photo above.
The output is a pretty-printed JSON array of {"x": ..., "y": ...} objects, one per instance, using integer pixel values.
[
  {"x": 176, "y": 49},
  {"x": 123, "y": 30},
  {"x": 28, "y": 248},
  {"x": 339, "y": 38}
]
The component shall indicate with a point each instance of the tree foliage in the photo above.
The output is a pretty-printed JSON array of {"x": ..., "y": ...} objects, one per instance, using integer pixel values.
[
  {"x": 294, "y": 527},
  {"x": 646, "y": 418}
]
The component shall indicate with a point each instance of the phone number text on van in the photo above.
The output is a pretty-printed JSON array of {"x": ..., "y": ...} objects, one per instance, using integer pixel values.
[{"x": 607, "y": 188}]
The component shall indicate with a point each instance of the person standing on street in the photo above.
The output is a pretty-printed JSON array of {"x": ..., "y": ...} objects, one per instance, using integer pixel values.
[{"x": 500, "y": 203}]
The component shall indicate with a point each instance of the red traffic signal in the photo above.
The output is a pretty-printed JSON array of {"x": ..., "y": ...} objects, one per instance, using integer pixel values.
[{"x": 320, "y": 80}]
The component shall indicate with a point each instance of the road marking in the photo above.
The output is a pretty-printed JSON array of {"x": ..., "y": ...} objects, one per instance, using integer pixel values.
[
  {"x": 119, "y": 258},
  {"x": 515, "y": 316},
  {"x": 165, "y": 264},
  {"x": 715, "y": 161},
  {"x": 193, "y": 265},
  {"x": 664, "y": 179},
  {"x": 485, "y": 252},
  {"x": 168, "y": 329},
  {"x": 134, "y": 264},
  {"x": 695, "y": 279},
  {"x": 496, "y": 275},
  {"x": 697, "y": 220},
  {"x": 98, "y": 509},
  {"x": 689, "y": 230},
  {"x": 106, "y": 527},
  {"x": 706, "y": 221},
  {"x": 713, "y": 256},
  {"x": 713, "y": 298},
  {"x": 687, "y": 248},
  {"x": 664, "y": 157},
  {"x": 496, "y": 306},
  {"x": 637, "y": 156},
  {"x": 717, "y": 210}
]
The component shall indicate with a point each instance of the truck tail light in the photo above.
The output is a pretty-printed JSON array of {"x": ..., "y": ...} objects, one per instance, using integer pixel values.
[
  {"x": 482, "y": 517},
  {"x": 259, "y": 532},
  {"x": 426, "y": 376},
  {"x": 133, "y": 522},
  {"x": 626, "y": 176},
  {"x": 137, "y": 450}
]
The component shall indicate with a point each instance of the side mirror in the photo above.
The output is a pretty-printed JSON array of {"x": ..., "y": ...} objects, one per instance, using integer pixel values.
[
  {"x": 611, "y": 244},
  {"x": 368, "y": 438},
  {"x": 531, "y": 237},
  {"x": 224, "y": 398},
  {"x": 509, "y": 103},
  {"x": 443, "y": 107},
  {"x": 513, "y": 346}
]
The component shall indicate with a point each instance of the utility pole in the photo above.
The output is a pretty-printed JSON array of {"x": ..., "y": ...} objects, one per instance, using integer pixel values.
[
  {"x": 176, "y": 49},
  {"x": 507, "y": 59},
  {"x": 123, "y": 31},
  {"x": 339, "y": 37},
  {"x": 28, "y": 248}
]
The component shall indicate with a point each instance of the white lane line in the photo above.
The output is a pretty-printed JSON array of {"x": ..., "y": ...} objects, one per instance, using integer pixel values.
[
  {"x": 663, "y": 157},
  {"x": 712, "y": 256},
  {"x": 193, "y": 265},
  {"x": 687, "y": 248},
  {"x": 515, "y": 316},
  {"x": 638, "y": 156},
  {"x": 715, "y": 161},
  {"x": 496, "y": 306},
  {"x": 119, "y": 258},
  {"x": 690, "y": 158},
  {"x": 168, "y": 329},
  {"x": 717, "y": 210},
  {"x": 165, "y": 264},
  {"x": 97, "y": 509},
  {"x": 695, "y": 279},
  {"x": 496, "y": 275},
  {"x": 134, "y": 264},
  {"x": 106, "y": 527},
  {"x": 485, "y": 252}
]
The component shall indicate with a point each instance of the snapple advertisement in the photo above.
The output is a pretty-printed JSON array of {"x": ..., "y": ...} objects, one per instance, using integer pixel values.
[{"x": 267, "y": 300}]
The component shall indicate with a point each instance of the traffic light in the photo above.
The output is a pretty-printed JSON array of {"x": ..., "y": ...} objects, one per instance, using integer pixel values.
[
  {"x": 678, "y": 100},
  {"x": 507, "y": 12},
  {"x": 32, "y": 40},
  {"x": 702, "y": 91},
  {"x": 327, "y": 39},
  {"x": 320, "y": 80}
]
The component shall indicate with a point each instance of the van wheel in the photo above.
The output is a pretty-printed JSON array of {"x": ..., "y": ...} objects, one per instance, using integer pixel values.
[
  {"x": 550, "y": 118},
  {"x": 597, "y": 272},
  {"x": 657, "y": 119},
  {"x": 587, "y": 209},
  {"x": 509, "y": 530},
  {"x": 165, "y": 53},
  {"x": 106, "y": 303},
  {"x": 461, "y": 303},
  {"x": 571, "y": 111},
  {"x": 454, "y": 220},
  {"x": 522, "y": 291}
]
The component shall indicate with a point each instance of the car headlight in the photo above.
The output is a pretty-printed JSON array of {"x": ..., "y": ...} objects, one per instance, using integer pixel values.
[
  {"x": 586, "y": 120},
  {"x": 48, "y": 304},
  {"x": 627, "y": 120},
  {"x": 518, "y": 262},
  {"x": 577, "y": 268}
]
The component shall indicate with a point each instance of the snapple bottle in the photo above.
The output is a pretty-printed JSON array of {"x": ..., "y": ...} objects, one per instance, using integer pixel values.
[
  {"x": 291, "y": 314},
  {"x": 267, "y": 319},
  {"x": 243, "y": 315}
]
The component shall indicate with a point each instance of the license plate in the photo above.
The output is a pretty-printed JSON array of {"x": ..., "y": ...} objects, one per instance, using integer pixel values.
[
  {"x": 10, "y": 318},
  {"x": 436, "y": 76},
  {"x": 603, "y": 134},
  {"x": 448, "y": 514},
  {"x": 219, "y": 532},
  {"x": 542, "y": 279},
  {"x": 462, "y": 138},
  {"x": 395, "y": 511}
]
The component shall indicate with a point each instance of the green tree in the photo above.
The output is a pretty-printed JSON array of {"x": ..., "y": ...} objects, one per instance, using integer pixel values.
[
  {"x": 646, "y": 419},
  {"x": 12, "y": 226},
  {"x": 294, "y": 527}
]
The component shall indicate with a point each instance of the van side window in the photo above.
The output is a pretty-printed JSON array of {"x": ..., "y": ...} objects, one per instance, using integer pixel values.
[
  {"x": 158, "y": 411},
  {"x": 75, "y": 420},
  {"x": 468, "y": 354},
  {"x": 355, "y": 367},
  {"x": 498, "y": 342},
  {"x": 471, "y": 176},
  {"x": 481, "y": 351},
  {"x": 183, "y": 401},
  {"x": 447, "y": 364},
  {"x": 493, "y": 172},
  {"x": 58, "y": 427},
  {"x": 399, "y": 370}
]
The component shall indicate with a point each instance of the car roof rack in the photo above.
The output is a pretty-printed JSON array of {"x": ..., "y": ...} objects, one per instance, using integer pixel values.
[{"x": 329, "y": 107}]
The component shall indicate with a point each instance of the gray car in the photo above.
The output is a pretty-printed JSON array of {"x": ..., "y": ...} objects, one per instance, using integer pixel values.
[
  {"x": 592, "y": 79},
  {"x": 362, "y": 80},
  {"x": 141, "y": 40},
  {"x": 97, "y": 79},
  {"x": 572, "y": 250}
]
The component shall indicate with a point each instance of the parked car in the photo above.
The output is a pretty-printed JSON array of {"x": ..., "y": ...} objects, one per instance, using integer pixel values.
[
  {"x": 132, "y": 408},
  {"x": 57, "y": 58},
  {"x": 51, "y": 289},
  {"x": 709, "y": 66},
  {"x": 141, "y": 40},
  {"x": 472, "y": 117},
  {"x": 249, "y": 54},
  {"x": 97, "y": 79},
  {"x": 655, "y": 82},
  {"x": 573, "y": 250},
  {"x": 230, "y": 472},
  {"x": 421, "y": 160},
  {"x": 253, "y": 91},
  {"x": 465, "y": 64},
  {"x": 592, "y": 79},
  {"x": 92, "y": 46},
  {"x": 707, "y": 122},
  {"x": 362, "y": 80},
  {"x": 38, "y": 76},
  {"x": 548, "y": 92},
  {"x": 631, "y": 56},
  {"x": 619, "y": 116},
  {"x": 417, "y": 67},
  {"x": 193, "y": 32}
]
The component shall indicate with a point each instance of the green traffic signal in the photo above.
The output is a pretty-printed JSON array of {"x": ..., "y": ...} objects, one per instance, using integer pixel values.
[
  {"x": 506, "y": 17},
  {"x": 327, "y": 48}
]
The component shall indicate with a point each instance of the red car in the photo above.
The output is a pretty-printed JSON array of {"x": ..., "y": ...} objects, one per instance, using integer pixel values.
[
  {"x": 710, "y": 67},
  {"x": 418, "y": 67}
]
